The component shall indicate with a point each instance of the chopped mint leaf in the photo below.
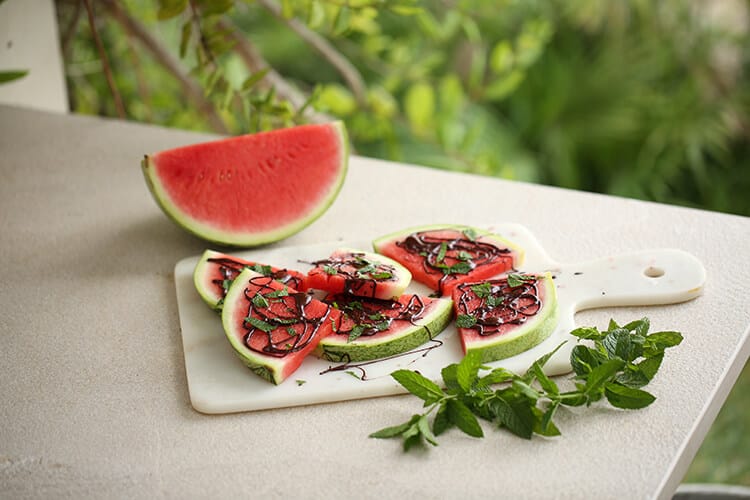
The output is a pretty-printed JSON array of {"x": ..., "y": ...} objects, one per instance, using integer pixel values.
[
  {"x": 441, "y": 253},
  {"x": 375, "y": 317},
  {"x": 494, "y": 300},
  {"x": 291, "y": 331},
  {"x": 349, "y": 372},
  {"x": 381, "y": 275},
  {"x": 262, "y": 269},
  {"x": 259, "y": 301},
  {"x": 460, "y": 268},
  {"x": 226, "y": 284},
  {"x": 329, "y": 269},
  {"x": 356, "y": 332},
  {"x": 382, "y": 326},
  {"x": 465, "y": 321},
  {"x": 464, "y": 255},
  {"x": 281, "y": 292},
  {"x": 259, "y": 324},
  {"x": 301, "y": 382},
  {"x": 516, "y": 279},
  {"x": 482, "y": 290},
  {"x": 470, "y": 234}
]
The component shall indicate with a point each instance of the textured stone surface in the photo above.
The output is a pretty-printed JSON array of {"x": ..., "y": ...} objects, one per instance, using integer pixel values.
[{"x": 94, "y": 397}]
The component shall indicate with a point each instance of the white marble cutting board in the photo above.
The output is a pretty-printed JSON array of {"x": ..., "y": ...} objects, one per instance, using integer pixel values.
[{"x": 219, "y": 383}]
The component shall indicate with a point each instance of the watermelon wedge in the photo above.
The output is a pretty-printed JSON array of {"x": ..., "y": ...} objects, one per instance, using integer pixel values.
[
  {"x": 215, "y": 272},
  {"x": 505, "y": 316},
  {"x": 251, "y": 189},
  {"x": 359, "y": 273},
  {"x": 443, "y": 256},
  {"x": 273, "y": 327},
  {"x": 373, "y": 328}
]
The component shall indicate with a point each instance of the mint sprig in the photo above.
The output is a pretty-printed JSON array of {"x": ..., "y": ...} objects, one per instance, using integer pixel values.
[{"x": 614, "y": 365}]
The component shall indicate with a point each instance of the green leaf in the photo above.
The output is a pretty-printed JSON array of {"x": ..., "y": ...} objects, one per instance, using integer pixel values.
[
  {"x": 356, "y": 332},
  {"x": 525, "y": 389},
  {"x": 587, "y": 333},
  {"x": 460, "y": 268},
  {"x": 639, "y": 326},
  {"x": 9, "y": 76},
  {"x": 424, "y": 429},
  {"x": 466, "y": 372},
  {"x": 482, "y": 290},
  {"x": 498, "y": 376},
  {"x": 396, "y": 430},
  {"x": 251, "y": 80},
  {"x": 441, "y": 252},
  {"x": 516, "y": 279},
  {"x": 281, "y": 292},
  {"x": 501, "y": 57},
  {"x": 417, "y": 384},
  {"x": 260, "y": 324},
  {"x": 600, "y": 376},
  {"x": 546, "y": 427},
  {"x": 583, "y": 360},
  {"x": 259, "y": 301},
  {"x": 627, "y": 397},
  {"x": 465, "y": 321},
  {"x": 462, "y": 417},
  {"x": 419, "y": 105},
  {"x": 170, "y": 8},
  {"x": 329, "y": 269},
  {"x": 441, "y": 423},
  {"x": 450, "y": 377},
  {"x": 514, "y": 413},
  {"x": 657, "y": 342},
  {"x": 544, "y": 381},
  {"x": 618, "y": 344}
]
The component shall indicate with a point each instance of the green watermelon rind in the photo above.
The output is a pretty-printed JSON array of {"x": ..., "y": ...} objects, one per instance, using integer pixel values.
[
  {"x": 213, "y": 300},
  {"x": 378, "y": 243},
  {"x": 267, "y": 367},
  {"x": 524, "y": 337},
  {"x": 337, "y": 348},
  {"x": 251, "y": 239}
]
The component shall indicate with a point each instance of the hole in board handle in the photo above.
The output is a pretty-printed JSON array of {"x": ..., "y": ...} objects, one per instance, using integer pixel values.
[{"x": 653, "y": 272}]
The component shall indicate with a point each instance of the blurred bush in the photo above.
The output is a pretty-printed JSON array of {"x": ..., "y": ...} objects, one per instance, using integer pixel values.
[{"x": 631, "y": 97}]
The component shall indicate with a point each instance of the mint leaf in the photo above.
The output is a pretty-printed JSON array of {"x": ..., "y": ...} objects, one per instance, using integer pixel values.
[
  {"x": 516, "y": 279},
  {"x": 470, "y": 234},
  {"x": 417, "y": 384},
  {"x": 381, "y": 275},
  {"x": 424, "y": 428},
  {"x": 482, "y": 290},
  {"x": 627, "y": 397},
  {"x": 396, "y": 430},
  {"x": 259, "y": 324},
  {"x": 441, "y": 423},
  {"x": 514, "y": 413},
  {"x": 441, "y": 253},
  {"x": 587, "y": 333},
  {"x": 462, "y": 417},
  {"x": 262, "y": 269},
  {"x": 467, "y": 369},
  {"x": 465, "y": 321},
  {"x": 356, "y": 332},
  {"x": 460, "y": 268},
  {"x": 259, "y": 301},
  {"x": 281, "y": 292},
  {"x": 329, "y": 269}
]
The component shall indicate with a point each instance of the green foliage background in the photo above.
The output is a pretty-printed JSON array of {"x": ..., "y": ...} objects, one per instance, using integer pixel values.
[{"x": 636, "y": 98}]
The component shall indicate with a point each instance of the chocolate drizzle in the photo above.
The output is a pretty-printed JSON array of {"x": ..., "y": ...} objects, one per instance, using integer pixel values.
[
  {"x": 281, "y": 317},
  {"x": 500, "y": 306},
  {"x": 230, "y": 269},
  {"x": 448, "y": 256},
  {"x": 371, "y": 316},
  {"x": 359, "y": 366}
]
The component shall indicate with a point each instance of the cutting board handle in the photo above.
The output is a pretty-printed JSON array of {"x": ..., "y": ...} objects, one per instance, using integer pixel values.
[{"x": 649, "y": 277}]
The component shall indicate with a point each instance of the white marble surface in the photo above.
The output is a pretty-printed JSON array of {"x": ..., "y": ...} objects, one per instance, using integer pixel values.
[{"x": 94, "y": 392}]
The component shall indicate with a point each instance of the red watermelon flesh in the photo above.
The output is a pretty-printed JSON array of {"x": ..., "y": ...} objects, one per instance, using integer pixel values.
[
  {"x": 358, "y": 273},
  {"x": 215, "y": 272},
  {"x": 442, "y": 257},
  {"x": 251, "y": 189},
  {"x": 273, "y": 327}
]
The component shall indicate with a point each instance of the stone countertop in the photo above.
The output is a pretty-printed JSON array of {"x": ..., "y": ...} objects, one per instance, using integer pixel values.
[{"x": 95, "y": 400}]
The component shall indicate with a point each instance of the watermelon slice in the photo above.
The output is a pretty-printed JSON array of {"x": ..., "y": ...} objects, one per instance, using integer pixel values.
[
  {"x": 251, "y": 189},
  {"x": 359, "y": 273},
  {"x": 373, "y": 328},
  {"x": 215, "y": 272},
  {"x": 505, "y": 316},
  {"x": 443, "y": 256},
  {"x": 273, "y": 327}
]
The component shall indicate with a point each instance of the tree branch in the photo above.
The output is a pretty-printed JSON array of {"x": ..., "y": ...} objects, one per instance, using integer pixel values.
[
  {"x": 189, "y": 86},
  {"x": 105, "y": 61},
  {"x": 346, "y": 69}
]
